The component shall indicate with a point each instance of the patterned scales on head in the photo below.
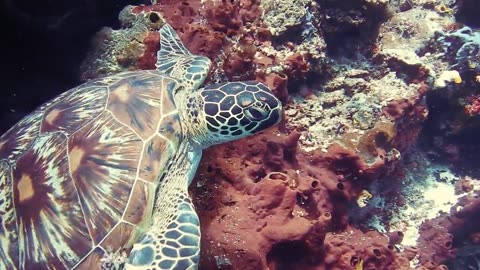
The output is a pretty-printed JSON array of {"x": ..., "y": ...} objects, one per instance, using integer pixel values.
[{"x": 106, "y": 166}]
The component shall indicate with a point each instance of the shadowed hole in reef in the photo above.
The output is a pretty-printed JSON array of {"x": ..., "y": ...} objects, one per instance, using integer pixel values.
[
  {"x": 258, "y": 175},
  {"x": 287, "y": 255}
]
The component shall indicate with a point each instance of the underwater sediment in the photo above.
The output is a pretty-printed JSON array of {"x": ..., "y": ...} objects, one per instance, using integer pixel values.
[{"x": 375, "y": 165}]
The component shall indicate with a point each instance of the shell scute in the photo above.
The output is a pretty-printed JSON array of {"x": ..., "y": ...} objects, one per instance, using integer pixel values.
[
  {"x": 120, "y": 236},
  {"x": 168, "y": 103},
  {"x": 83, "y": 171},
  {"x": 104, "y": 157},
  {"x": 52, "y": 228},
  {"x": 92, "y": 261},
  {"x": 141, "y": 203},
  {"x": 74, "y": 109},
  {"x": 156, "y": 154},
  {"x": 20, "y": 137},
  {"x": 137, "y": 102},
  {"x": 170, "y": 128},
  {"x": 112, "y": 79}
]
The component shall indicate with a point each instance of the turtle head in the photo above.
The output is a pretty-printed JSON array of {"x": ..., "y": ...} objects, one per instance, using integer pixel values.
[{"x": 230, "y": 111}]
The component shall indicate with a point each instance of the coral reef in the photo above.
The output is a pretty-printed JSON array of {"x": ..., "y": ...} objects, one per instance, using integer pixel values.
[
  {"x": 230, "y": 33},
  {"x": 281, "y": 16},
  {"x": 372, "y": 250},
  {"x": 375, "y": 165},
  {"x": 351, "y": 24},
  {"x": 118, "y": 51},
  {"x": 453, "y": 128},
  {"x": 264, "y": 198},
  {"x": 453, "y": 234},
  {"x": 339, "y": 184}
]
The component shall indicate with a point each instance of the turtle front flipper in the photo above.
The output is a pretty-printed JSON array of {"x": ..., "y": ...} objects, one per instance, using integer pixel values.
[
  {"x": 173, "y": 240},
  {"x": 176, "y": 61}
]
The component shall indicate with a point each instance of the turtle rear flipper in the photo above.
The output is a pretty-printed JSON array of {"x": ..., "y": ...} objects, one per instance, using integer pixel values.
[{"x": 173, "y": 240}]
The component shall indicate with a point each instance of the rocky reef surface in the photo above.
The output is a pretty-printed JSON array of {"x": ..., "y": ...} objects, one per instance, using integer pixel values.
[{"x": 375, "y": 165}]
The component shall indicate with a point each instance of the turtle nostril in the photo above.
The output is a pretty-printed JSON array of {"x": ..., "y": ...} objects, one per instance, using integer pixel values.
[{"x": 153, "y": 17}]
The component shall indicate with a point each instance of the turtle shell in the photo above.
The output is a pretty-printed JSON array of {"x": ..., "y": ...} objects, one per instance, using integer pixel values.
[{"x": 78, "y": 175}]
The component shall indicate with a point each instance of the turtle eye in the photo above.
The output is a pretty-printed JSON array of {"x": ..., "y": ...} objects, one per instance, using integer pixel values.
[{"x": 255, "y": 113}]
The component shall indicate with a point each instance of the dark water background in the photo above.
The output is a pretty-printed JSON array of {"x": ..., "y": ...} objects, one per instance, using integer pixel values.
[{"x": 42, "y": 45}]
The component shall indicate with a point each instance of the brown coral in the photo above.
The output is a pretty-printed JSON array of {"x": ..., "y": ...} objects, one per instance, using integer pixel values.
[
  {"x": 278, "y": 83},
  {"x": 267, "y": 199}
]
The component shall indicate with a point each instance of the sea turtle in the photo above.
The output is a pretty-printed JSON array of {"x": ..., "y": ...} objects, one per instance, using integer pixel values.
[{"x": 106, "y": 165}]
